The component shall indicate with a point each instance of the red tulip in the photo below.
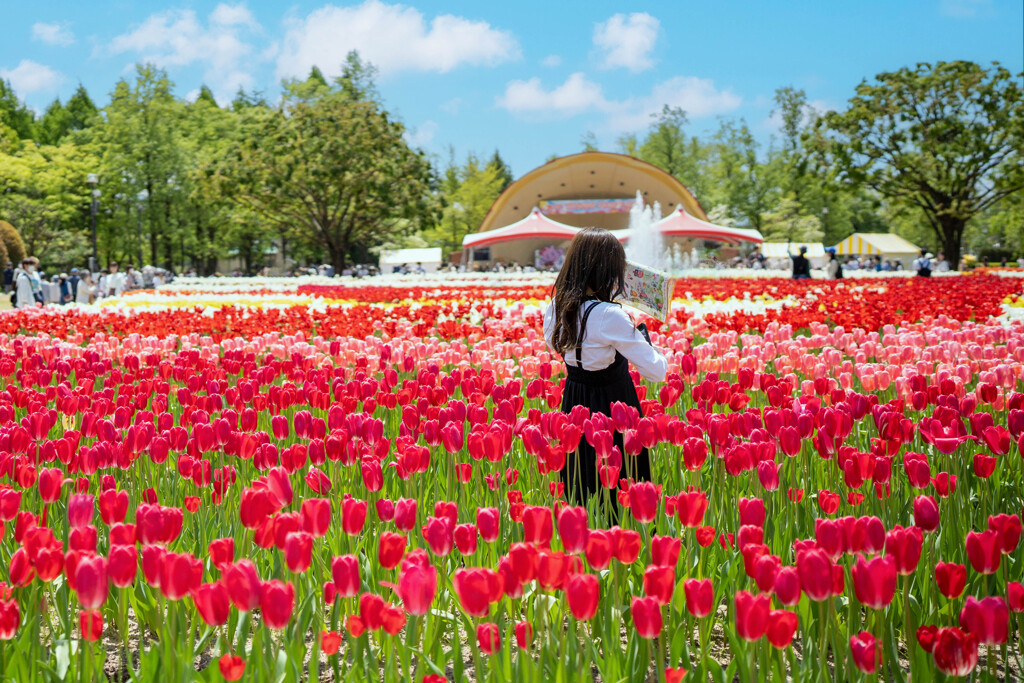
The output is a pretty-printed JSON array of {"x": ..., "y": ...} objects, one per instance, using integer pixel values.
[
  {"x": 573, "y": 529},
  {"x": 524, "y": 559},
  {"x": 874, "y": 581},
  {"x": 988, "y": 619},
  {"x": 690, "y": 508},
  {"x": 782, "y": 625},
  {"x": 984, "y": 465},
  {"x": 405, "y": 514},
  {"x": 926, "y": 513},
  {"x": 951, "y": 579},
  {"x": 316, "y": 516},
  {"x": 904, "y": 546},
  {"x": 752, "y": 511},
  {"x": 276, "y": 601},
  {"x": 926, "y": 637},
  {"x": 122, "y": 565},
  {"x": 552, "y": 569},
  {"x": 465, "y": 538},
  {"x": 91, "y": 581},
  {"x": 815, "y": 571},
  {"x": 665, "y": 550},
  {"x": 584, "y": 593},
  {"x": 864, "y": 650},
  {"x": 390, "y": 549},
  {"x": 417, "y": 584},
  {"x": 345, "y": 575},
  {"x": 298, "y": 551},
  {"x": 91, "y": 624},
  {"x": 647, "y": 620},
  {"x": 984, "y": 551},
  {"x": 537, "y": 526},
  {"x": 10, "y": 619},
  {"x": 1008, "y": 528},
  {"x": 955, "y": 652},
  {"x": 50, "y": 481},
  {"x": 330, "y": 642},
  {"x": 243, "y": 585},
  {"x": 752, "y": 615},
  {"x": 659, "y": 583},
  {"x": 700, "y": 597},
  {"x": 628, "y": 547},
  {"x": 182, "y": 573},
  {"x": 113, "y": 506},
  {"x": 439, "y": 535},
  {"x": 488, "y": 638},
  {"x": 787, "y": 586},
  {"x": 80, "y": 510},
  {"x": 599, "y": 549},
  {"x": 524, "y": 634},
  {"x": 477, "y": 589},
  {"x": 1015, "y": 596},
  {"x": 153, "y": 564},
  {"x": 212, "y": 603},
  {"x": 222, "y": 552},
  {"x": 488, "y": 524},
  {"x": 232, "y": 667},
  {"x": 353, "y": 516},
  {"x": 643, "y": 501}
]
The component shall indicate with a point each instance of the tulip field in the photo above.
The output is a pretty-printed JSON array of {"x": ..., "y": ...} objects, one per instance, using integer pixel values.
[{"x": 263, "y": 481}]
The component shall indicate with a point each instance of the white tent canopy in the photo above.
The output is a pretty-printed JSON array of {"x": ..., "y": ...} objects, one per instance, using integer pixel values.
[
  {"x": 777, "y": 253},
  {"x": 430, "y": 259}
]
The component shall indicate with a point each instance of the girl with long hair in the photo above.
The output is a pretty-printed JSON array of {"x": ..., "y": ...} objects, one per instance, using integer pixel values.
[{"x": 597, "y": 340}]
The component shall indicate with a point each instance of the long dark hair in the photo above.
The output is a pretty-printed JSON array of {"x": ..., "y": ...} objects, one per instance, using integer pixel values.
[{"x": 595, "y": 260}]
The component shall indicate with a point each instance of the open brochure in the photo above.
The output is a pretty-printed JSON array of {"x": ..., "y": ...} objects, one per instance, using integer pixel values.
[{"x": 648, "y": 290}]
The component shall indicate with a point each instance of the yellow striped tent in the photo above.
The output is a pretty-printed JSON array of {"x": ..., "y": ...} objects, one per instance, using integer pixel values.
[{"x": 886, "y": 245}]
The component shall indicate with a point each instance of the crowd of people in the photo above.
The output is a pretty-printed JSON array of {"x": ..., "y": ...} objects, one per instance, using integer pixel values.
[{"x": 27, "y": 286}]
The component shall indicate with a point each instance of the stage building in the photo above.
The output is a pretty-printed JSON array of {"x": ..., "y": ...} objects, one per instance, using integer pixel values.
[{"x": 534, "y": 219}]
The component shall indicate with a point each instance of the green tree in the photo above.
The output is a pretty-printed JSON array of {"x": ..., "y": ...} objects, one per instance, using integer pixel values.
[
  {"x": 785, "y": 223},
  {"x": 15, "y": 114},
  {"x": 946, "y": 139},
  {"x": 469, "y": 192},
  {"x": 334, "y": 170},
  {"x": 668, "y": 147},
  {"x": 738, "y": 179},
  {"x": 503, "y": 170},
  {"x": 60, "y": 120},
  {"x": 144, "y": 168}
]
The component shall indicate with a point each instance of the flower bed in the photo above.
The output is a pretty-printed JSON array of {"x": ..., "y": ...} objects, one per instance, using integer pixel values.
[{"x": 360, "y": 480}]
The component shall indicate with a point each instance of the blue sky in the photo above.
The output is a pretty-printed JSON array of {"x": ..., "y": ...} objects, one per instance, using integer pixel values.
[{"x": 528, "y": 78}]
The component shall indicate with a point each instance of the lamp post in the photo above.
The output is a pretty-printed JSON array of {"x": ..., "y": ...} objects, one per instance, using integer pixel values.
[
  {"x": 93, "y": 180},
  {"x": 141, "y": 197}
]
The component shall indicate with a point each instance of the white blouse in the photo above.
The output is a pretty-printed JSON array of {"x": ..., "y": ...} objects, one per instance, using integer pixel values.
[{"x": 609, "y": 329}]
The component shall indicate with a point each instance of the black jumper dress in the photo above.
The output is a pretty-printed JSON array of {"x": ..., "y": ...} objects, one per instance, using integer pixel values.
[{"x": 597, "y": 390}]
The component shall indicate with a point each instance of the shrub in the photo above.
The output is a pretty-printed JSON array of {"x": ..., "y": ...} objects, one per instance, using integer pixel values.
[{"x": 14, "y": 247}]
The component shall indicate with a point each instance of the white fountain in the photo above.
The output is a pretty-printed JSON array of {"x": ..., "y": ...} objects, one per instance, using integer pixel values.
[{"x": 645, "y": 245}]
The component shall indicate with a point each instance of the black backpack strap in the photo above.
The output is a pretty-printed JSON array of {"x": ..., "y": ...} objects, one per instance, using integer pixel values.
[{"x": 583, "y": 332}]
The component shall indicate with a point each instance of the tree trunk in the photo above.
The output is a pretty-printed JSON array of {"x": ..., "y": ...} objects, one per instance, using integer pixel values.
[{"x": 951, "y": 237}]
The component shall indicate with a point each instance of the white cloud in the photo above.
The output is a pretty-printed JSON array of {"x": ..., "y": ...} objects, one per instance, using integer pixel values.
[
  {"x": 393, "y": 38},
  {"x": 452, "y": 106},
  {"x": 52, "y": 34},
  {"x": 627, "y": 41},
  {"x": 551, "y": 60},
  {"x": 233, "y": 15},
  {"x": 423, "y": 135},
  {"x": 29, "y": 77},
  {"x": 575, "y": 96},
  {"x": 964, "y": 8},
  {"x": 177, "y": 38}
]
